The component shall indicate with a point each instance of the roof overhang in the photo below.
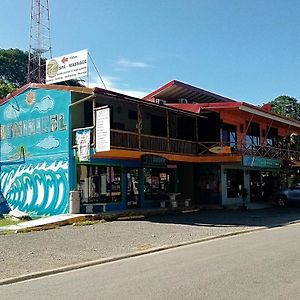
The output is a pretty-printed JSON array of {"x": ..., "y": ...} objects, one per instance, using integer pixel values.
[
  {"x": 265, "y": 114},
  {"x": 174, "y": 90},
  {"x": 251, "y": 109}
]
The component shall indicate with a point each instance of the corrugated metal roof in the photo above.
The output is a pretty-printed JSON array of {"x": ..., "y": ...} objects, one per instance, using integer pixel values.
[
  {"x": 194, "y": 108},
  {"x": 174, "y": 90}
]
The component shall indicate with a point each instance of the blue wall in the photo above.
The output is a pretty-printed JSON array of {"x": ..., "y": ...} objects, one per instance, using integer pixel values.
[{"x": 37, "y": 120}]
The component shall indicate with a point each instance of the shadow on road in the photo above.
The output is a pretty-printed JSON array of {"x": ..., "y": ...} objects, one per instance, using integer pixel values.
[{"x": 268, "y": 217}]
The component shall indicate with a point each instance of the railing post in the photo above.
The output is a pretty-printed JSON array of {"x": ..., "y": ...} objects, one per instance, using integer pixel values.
[{"x": 197, "y": 137}]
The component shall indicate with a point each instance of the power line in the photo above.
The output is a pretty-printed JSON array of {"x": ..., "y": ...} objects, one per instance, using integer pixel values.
[{"x": 97, "y": 71}]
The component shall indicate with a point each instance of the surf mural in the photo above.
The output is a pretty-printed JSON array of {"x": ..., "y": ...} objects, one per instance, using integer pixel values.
[{"x": 35, "y": 121}]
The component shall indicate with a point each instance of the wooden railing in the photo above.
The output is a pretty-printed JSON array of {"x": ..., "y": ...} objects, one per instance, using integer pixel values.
[{"x": 132, "y": 140}]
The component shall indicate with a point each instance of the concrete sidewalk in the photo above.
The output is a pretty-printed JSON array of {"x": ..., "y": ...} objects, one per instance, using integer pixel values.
[
  {"x": 50, "y": 222},
  {"x": 46, "y": 223},
  {"x": 68, "y": 219}
]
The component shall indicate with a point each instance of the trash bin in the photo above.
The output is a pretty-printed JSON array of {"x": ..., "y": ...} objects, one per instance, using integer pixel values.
[{"x": 74, "y": 202}]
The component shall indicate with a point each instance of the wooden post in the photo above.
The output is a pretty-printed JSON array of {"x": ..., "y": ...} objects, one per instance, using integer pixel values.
[
  {"x": 94, "y": 123},
  {"x": 168, "y": 131},
  {"x": 197, "y": 136},
  {"x": 139, "y": 126}
]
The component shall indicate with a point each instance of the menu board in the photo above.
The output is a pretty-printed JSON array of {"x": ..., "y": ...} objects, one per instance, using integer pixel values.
[{"x": 102, "y": 129}]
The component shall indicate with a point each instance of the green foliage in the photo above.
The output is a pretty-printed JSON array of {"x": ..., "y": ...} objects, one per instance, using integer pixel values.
[
  {"x": 13, "y": 66},
  {"x": 286, "y": 106},
  {"x": 6, "y": 88}
]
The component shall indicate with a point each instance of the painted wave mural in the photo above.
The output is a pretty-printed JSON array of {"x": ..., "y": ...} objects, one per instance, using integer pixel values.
[{"x": 41, "y": 189}]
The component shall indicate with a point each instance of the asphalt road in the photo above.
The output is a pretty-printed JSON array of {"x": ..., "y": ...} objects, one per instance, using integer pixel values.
[{"x": 259, "y": 265}]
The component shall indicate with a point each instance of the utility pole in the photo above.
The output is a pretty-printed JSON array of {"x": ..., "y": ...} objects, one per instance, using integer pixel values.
[{"x": 40, "y": 43}]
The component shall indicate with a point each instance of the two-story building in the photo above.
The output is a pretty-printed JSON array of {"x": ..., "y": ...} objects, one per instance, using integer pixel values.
[
  {"x": 179, "y": 139},
  {"x": 266, "y": 144}
]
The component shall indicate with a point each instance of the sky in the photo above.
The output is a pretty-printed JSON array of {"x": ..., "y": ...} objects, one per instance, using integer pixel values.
[{"x": 246, "y": 50}]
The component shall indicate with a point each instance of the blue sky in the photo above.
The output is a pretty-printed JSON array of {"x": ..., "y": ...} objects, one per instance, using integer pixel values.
[{"x": 247, "y": 50}]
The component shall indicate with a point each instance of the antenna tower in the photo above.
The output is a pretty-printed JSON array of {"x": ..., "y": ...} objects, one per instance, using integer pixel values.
[{"x": 40, "y": 43}]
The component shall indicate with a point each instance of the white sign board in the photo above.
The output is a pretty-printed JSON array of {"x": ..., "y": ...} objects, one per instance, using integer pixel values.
[
  {"x": 83, "y": 138},
  {"x": 67, "y": 67},
  {"x": 102, "y": 129}
]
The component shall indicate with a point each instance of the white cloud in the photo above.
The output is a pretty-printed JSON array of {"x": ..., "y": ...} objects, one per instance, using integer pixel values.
[
  {"x": 48, "y": 143},
  {"x": 111, "y": 84},
  {"x": 44, "y": 105},
  {"x": 11, "y": 112},
  {"x": 6, "y": 148},
  {"x": 126, "y": 63}
]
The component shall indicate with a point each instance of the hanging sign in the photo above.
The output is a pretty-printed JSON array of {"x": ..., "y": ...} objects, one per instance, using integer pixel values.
[
  {"x": 83, "y": 138},
  {"x": 261, "y": 162},
  {"x": 70, "y": 66},
  {"x": 102, "y": 129},
  {"x": 150, "y": 161}
]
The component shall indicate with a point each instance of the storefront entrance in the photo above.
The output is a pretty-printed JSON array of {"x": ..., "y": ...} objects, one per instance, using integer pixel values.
[
  {"x": 99, "y": 184},
  {"x": 261, "y": 186},
  {"x": 132, "y": 188},
  {"x": 158, "y": 182}
]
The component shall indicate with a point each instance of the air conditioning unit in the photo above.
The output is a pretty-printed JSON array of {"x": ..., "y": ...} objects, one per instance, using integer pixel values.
[
  {"x": 183, "y": 101},
  {"x": 160, "y": 101}
]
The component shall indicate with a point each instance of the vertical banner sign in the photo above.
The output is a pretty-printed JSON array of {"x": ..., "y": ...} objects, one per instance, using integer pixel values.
[
  {"x": 83, "y": 138},
  {"x": 102, "y": 129}
]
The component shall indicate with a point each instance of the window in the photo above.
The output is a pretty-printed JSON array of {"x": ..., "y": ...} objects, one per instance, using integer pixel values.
[
  {"x": 272, "y": 136},
  {"x": 132, "y": 114},
  {"x": 99, "y": 183},
  {"x": 252, "y": 136},
  {"x": 157, "y": 182},
  {"x": 229, "y": 135},
  {"x": 234, "y": 182},
  {"x": 158, "y": 125}
]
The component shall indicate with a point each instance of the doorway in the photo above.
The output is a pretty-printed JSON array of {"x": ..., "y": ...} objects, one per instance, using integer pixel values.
[{"x": 132, "y": 188}]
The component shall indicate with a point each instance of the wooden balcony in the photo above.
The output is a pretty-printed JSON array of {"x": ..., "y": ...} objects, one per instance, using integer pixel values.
[
  {"x": 130, "y": 140},
  {"x": 127, "y": 140}
]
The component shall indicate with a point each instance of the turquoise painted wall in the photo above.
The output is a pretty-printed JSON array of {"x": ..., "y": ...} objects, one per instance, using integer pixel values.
[{"x": 37, "y": 120}]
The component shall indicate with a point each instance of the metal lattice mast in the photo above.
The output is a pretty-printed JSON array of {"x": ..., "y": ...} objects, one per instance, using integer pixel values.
[{"x": 40, "y": 43}]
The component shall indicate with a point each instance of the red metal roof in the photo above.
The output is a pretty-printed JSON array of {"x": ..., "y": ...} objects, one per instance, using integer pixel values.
[
  {"x": 195, "y": 108},
  {"x": 237, "y": 106},
  {"x": 174, "y": 90}
]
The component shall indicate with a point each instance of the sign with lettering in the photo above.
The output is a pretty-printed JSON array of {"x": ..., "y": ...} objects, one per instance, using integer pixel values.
[
  {"x": 261, "y": 162},
  {"x": 63, "y": 68},
  {"x": 154, "y": 161},
  {"x": 102, "y": 129}
]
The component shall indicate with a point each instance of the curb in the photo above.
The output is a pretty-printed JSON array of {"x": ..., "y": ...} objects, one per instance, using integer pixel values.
[{"x": 121, "y": 257}]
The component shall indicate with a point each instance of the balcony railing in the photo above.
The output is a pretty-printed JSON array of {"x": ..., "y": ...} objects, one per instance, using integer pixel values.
[
  {"x": 121, "y": 139},
  {"x": 130, "y": 140}
]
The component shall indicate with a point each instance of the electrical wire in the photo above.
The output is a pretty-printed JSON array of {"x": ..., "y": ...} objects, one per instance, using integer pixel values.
[{"x": 97, "y": 71}]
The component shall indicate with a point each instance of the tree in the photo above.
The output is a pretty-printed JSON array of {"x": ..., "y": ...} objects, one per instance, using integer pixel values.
[
  {"x": 290, "y": 107},
  {"x": 286, "y": 106},
  {"x": 6, "y": 88},
  {"x": 13, "y": 66},
  {"x": 13, "y": 70}
]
